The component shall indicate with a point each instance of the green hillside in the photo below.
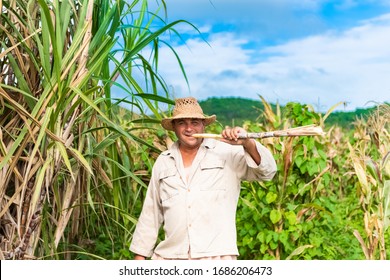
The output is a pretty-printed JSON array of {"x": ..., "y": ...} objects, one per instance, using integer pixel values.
[{"x": 232, "y": 110}]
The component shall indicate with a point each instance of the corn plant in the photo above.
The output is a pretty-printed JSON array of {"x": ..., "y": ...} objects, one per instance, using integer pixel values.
[{"x": 370, "y": 157}]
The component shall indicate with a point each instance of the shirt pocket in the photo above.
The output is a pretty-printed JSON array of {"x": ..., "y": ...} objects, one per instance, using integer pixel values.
[
  {"x": 169, "y": 184},
  {"x": 213, "y": 175}
]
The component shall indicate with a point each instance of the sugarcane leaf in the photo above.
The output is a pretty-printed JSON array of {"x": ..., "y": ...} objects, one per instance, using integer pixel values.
[
  {"x": 62, "y": 150},
  {"x": 81, "y": 159}
]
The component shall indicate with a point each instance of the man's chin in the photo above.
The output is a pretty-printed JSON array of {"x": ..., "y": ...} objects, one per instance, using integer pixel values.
[{"x": 192, "y": 141}]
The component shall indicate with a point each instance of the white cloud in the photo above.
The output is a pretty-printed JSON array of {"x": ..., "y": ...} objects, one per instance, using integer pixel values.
[{"x": 351, "y": 66}]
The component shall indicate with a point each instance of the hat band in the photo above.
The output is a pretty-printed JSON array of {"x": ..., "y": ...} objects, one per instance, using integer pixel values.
[{"x": 188, "y": 116}]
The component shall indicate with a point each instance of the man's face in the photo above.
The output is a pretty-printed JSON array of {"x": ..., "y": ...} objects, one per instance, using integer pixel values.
[{"x": 184, "y": 128}]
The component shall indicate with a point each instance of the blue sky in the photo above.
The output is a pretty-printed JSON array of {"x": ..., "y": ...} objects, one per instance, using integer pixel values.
[{"x": 316, "y": 52}]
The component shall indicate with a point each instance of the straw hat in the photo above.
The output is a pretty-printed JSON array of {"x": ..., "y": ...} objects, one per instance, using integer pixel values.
[{"x": 186, "y": 108}]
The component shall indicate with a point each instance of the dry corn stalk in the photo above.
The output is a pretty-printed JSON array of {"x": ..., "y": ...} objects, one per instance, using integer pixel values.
[{"x": 308, "y": 130}]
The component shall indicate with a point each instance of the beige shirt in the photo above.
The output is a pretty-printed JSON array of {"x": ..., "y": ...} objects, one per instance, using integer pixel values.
[{"x": 198, "y": 214}]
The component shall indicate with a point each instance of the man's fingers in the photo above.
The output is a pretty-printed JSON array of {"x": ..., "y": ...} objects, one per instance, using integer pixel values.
[{"x": 231, "y": 133}]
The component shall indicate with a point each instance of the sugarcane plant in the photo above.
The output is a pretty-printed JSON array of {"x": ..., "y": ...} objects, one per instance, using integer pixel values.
[{"x": 67, "y": 160}]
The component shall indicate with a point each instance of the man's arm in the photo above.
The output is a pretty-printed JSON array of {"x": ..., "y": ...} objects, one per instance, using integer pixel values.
[
  {"x": 231, "y": 136},
  {"x": 139, "y": 258},
  {"x": 261, "y": 156},
  {"x": 250, "y": 146}
]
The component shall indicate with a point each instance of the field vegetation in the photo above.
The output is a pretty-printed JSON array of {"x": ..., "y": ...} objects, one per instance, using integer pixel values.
[{"x": 75, "y": 164}]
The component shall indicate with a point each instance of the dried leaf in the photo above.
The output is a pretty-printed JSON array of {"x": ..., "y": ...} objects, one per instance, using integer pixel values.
[{"x": 362, "y": 244}]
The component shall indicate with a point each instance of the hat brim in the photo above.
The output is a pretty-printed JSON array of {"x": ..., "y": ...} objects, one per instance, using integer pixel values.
[{"x": 167, "y": 122}]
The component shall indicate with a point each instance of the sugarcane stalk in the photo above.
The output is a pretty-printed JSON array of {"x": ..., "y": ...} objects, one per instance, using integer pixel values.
[{"x": 308, "y": 130}]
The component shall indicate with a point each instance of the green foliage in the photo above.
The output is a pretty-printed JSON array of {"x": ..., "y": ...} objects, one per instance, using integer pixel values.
[{"x": 310, "y": 209}]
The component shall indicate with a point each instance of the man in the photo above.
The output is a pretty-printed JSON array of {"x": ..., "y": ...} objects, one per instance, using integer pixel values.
[{"x": 194, "y": 189}]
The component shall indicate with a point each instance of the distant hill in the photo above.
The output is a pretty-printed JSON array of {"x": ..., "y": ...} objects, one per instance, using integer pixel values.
[
  {"x": 232, "y": 110},
  {"x": 235, "y": 110}
]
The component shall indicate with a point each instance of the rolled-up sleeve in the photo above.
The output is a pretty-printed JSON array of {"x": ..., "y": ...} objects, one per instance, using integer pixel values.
[
  {"x": 265, "y": 171},
  {"x": 267, "y": 167}
]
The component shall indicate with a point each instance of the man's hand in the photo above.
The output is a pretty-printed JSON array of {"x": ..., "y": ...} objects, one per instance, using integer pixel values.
[{"x": 230, "y": 136}]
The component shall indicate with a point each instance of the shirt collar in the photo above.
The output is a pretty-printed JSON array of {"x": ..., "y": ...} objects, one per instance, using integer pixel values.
[{"x": 209, "y": 143}]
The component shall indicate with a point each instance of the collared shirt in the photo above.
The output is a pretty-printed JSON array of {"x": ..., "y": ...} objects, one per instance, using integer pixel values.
[{"x": 198, "y": 214}]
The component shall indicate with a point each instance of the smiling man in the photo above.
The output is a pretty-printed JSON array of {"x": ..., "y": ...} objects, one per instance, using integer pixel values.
[{"x": 194, "y": 189}]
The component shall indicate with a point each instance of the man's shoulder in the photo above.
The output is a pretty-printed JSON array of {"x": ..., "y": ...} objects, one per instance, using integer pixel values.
[{"x": 170, "y": 150}]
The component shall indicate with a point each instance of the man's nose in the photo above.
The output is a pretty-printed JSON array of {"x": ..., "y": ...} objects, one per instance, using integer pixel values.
[{"x": 189, "y": 126}]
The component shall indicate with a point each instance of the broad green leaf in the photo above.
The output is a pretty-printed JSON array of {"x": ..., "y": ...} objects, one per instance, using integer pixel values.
[
  {"x": 271, "y": 197},
  {"x": 275, "y": 216},
  {"x": 291, "y": 217}
]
